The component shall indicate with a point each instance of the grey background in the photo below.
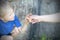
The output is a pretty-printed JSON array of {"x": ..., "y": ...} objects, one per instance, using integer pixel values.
[{"x": 38, "y": 7}]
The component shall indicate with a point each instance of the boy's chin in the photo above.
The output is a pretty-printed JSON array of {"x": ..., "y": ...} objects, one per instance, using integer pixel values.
[{"x": 11, "y": 20}]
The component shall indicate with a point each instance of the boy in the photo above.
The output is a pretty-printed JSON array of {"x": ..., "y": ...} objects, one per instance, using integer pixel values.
[{"x": 9, "y": 23}]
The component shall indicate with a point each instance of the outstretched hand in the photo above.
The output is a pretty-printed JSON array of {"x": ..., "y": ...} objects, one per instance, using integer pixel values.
[{"x": 32, "y": 18}]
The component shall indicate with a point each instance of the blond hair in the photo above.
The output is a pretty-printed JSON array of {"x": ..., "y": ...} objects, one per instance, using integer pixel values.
[{"x": 5, "y": 9}]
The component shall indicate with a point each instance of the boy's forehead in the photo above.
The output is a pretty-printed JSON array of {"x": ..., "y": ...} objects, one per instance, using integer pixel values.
[
  {"x": 8, "y": 10},
  {"x": 7, "y": 14}
]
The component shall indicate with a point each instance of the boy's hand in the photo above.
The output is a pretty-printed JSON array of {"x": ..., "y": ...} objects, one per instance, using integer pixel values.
[
  {"x": 28, "y": 17},
  {"x": 15, "y": 32}
]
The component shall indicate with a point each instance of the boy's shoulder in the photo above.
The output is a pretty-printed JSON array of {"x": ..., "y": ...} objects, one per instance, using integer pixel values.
[{"x": 16, "y": 17}]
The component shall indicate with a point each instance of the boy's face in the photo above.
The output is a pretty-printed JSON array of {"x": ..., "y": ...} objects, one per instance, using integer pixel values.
[{"x": 9, "y": 16}]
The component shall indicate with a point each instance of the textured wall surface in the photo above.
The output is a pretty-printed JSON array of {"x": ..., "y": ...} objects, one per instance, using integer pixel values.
[
  {"x": 22, "y": 8},
  {"x": 38, "y": 7}
]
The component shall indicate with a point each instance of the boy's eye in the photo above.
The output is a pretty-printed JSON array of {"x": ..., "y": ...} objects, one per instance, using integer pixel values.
[{"x": 10, "y": 15}]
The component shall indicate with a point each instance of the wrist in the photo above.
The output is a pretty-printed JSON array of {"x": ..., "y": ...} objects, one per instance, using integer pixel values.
[
  {"x": 19, "y": 29},
  {"x": 40, "y": 19}
]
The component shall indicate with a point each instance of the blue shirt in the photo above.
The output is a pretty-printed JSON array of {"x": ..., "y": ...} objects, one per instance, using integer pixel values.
[{"x": 7, "y": 27}]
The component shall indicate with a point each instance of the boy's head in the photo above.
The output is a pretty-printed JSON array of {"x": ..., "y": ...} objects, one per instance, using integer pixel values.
[{"x": 6, "y": 12}]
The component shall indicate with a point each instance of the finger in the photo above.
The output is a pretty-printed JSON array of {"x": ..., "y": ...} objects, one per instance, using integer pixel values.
[
  {"x": 29, "y": 15},
  {"x": 34, "y": 21}
]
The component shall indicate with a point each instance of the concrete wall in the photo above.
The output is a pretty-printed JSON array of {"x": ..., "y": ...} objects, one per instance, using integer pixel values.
[
  {"x": 22, "y": 8},
  {"x": 38, "y": 7}
]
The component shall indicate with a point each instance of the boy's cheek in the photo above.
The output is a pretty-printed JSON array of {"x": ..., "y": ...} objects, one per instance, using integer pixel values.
[
  {"x": 12, "y": 18},
  {"x": 5, "y": 18}
]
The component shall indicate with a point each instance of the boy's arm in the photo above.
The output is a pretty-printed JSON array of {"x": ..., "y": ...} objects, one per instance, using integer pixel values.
[
  {"x": 24, "y": 27},
  {"x": 18, "y": 30},
  {"x": 25, "y": 23}
]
